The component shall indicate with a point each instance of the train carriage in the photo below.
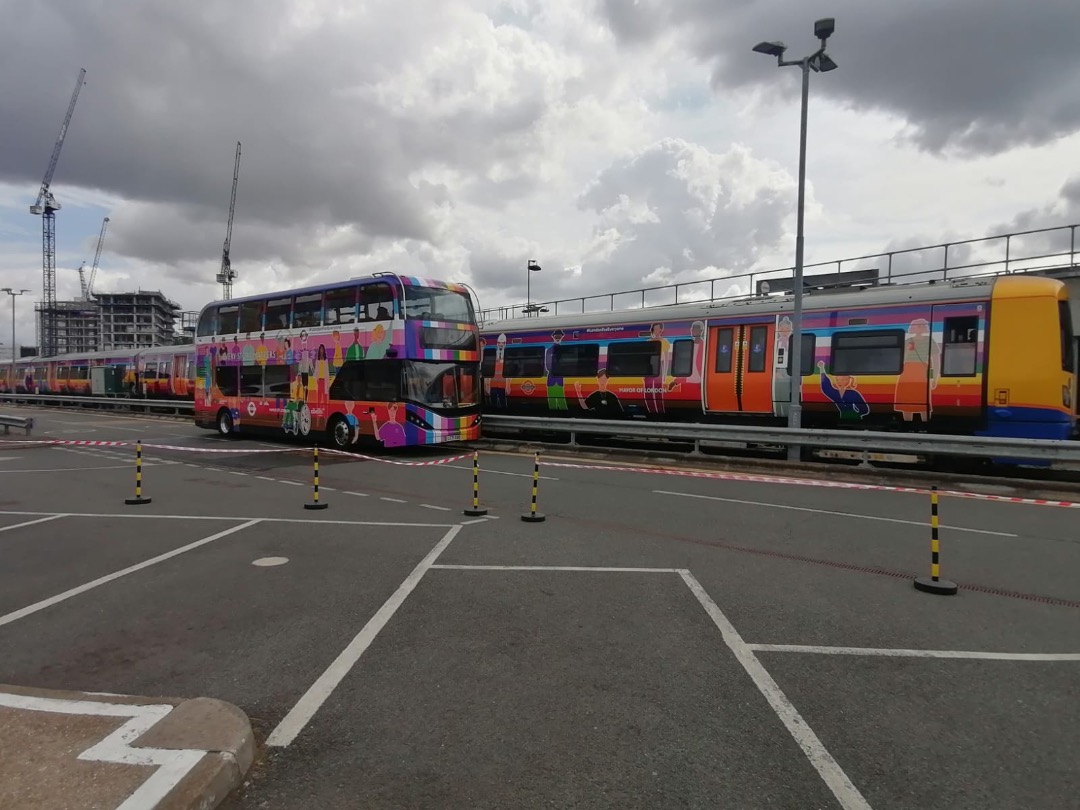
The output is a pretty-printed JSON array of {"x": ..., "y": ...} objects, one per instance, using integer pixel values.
[{"x": 985, "y": 356}]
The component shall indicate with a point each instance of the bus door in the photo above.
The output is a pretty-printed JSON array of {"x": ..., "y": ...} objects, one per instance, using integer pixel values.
[{"x": 739, "y": 368}]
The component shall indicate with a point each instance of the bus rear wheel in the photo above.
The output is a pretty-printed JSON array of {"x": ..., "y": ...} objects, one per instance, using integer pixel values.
[
  {"x": 338, "y": 433},
  {"x": 224, "y": 423}
]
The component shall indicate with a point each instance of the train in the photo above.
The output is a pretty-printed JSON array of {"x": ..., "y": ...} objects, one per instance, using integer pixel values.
[{"x": 992, "y": 356}]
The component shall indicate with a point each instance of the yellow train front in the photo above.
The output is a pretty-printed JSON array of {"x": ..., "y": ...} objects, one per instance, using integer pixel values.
[{"x": 986, "y": 356}]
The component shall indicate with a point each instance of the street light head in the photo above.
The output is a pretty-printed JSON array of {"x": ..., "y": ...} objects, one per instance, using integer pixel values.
[
  {"x": 771, "y": 48},
  {"x": 823, "y": 28},
  {"x": 825, "y": 63},
  {"x": 533, "y": 265}
]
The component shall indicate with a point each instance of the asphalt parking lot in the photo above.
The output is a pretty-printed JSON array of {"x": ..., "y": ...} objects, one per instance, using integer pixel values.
[{"x": 658, "y": 641}]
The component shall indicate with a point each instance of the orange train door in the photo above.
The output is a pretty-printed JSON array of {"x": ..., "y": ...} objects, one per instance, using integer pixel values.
[{"x": 739, "y": 371}]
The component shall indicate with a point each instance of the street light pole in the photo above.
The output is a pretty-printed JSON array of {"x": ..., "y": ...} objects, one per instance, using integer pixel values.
[
  {"x": 817, "y": 61},
  {"x": 13, "y": 293},
  {"x": 530, "y": 268}
]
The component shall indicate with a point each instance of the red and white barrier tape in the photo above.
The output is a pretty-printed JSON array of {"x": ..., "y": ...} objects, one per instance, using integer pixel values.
[
  {"x": 220, "y": 449},
  {"x": 434, "y": 463}
]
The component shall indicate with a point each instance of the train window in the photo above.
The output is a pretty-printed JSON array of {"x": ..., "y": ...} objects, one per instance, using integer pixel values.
[
  {"x": 724, "y": 340},
  {"x": 576, "y": 360},
  {"x": 228, "y": 319},
  {"x": 961, "y": 343},
  {"x": 871, "y": 352},
  {"x": 251, "y": 316},
  {"x": 340, "y": 306},
  {"x": 637, "y": 358},
  {"x": 487, "y": 367},
  {"x": 1068, "y": 359},
  {"x": 809, "y": 346},
  {"x": 682, "y": 358},
  {"x": 523, "y": 361},
  {"x": 277, "y": 313},
  {"x": 307, "y": 311},
  {"x": 227, "y": 379},
  {"x": 758, "y": 335},
  {"x": 207, "y": 323}
]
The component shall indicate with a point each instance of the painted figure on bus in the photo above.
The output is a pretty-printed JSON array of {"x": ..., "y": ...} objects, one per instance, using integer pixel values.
[
  {"x": 391, "y": 432},
  {"x": 338, "y": 357},
  {"x": 380, "y": 342},
  {"x": 556, "y": 392},
  {"x": 842, "y": 389},
  {"x": 356, "y": 350},
  {"x": 920, "y": 366},
  {"x": 322, "y": 378}
]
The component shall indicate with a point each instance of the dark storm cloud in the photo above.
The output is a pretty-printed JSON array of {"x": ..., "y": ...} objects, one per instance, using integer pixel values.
[
  {"x": 172, "y": 86},
  {"x": 970, "y": 76}
]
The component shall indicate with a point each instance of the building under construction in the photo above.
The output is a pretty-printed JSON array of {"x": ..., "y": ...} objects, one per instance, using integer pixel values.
[{"x": 132, "y": 320}]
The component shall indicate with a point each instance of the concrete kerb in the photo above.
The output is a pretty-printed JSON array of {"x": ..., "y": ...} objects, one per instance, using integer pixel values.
[{"x": 202, "y": 747}]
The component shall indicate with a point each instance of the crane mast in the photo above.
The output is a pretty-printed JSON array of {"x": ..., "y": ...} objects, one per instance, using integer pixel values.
[
  {"x": 88, "y": 289},
  {"x": 46, "y": 207},
  {"x": 227, "y": 275}
]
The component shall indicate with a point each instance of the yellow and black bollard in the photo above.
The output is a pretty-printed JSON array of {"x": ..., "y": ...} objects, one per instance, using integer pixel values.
[
  {"x": 532, "y": 516},
  {"x": 315, "y": 503},
  {"x": 934, "y": 583},
  {"x": 138, "y": 500},
  {"x": 475, "y": 510}
]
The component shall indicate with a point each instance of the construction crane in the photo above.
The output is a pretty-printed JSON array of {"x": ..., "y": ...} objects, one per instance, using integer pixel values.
[
  {"x": 88, "y": 288},
  {"x": 226, "y": 276},
  {"x": 46, "y": 207}
]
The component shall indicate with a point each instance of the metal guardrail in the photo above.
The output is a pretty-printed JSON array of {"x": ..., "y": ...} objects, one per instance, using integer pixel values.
[
  {"x": 1019, "y": 252},
  {"x": 22, "y": 422},
  {"x": 860, "y": 440},
  {"x": 118, "y": 403}
]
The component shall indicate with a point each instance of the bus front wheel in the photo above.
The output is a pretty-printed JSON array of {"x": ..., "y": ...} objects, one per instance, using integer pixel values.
[
  {"x": 338, "y": 433},
  {"x": 224, "y": 423}
]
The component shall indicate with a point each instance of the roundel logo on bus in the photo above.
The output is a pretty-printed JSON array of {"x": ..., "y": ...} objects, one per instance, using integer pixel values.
[{"x": 528, "y": 387}]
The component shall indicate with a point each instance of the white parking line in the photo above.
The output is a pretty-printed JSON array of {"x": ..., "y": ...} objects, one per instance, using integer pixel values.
[
  {"x": 829, "y": 512},
  {"x": 393, "y": 500},
  {"x": 433, "y": 506},
  {"x": 594, "y": 568},
  {"x": 305, "y": 708},
  {"x": 884, "y": 652},
  {"x": 30, "y": 523},
  {"x": 60, "y": 597},
  {"x": 841, "y": 786}
]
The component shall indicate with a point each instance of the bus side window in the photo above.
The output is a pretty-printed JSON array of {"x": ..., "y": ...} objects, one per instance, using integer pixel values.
[
  {"x": 278, "y": 311},
  {"x": 307, "y": 311},
  {"x": 340, "y": 307}
]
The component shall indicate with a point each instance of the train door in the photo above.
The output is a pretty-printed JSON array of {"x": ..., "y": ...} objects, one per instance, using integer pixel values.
[
  {"x": 739, "y": 372},
  {"x": 958, "y": 361}
]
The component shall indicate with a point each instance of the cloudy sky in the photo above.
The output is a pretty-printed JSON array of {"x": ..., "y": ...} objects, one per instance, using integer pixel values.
[{"x": 620, "y": 143}]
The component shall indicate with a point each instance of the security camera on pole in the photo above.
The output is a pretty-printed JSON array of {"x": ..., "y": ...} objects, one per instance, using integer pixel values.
[{"x": 818, "y": 61}]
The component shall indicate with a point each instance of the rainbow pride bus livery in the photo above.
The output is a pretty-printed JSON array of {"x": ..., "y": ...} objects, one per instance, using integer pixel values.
[{"x": 388, "y": 360}]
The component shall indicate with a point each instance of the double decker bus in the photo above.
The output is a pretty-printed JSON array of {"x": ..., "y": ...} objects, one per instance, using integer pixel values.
[{"x": 388, "y": 360}]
